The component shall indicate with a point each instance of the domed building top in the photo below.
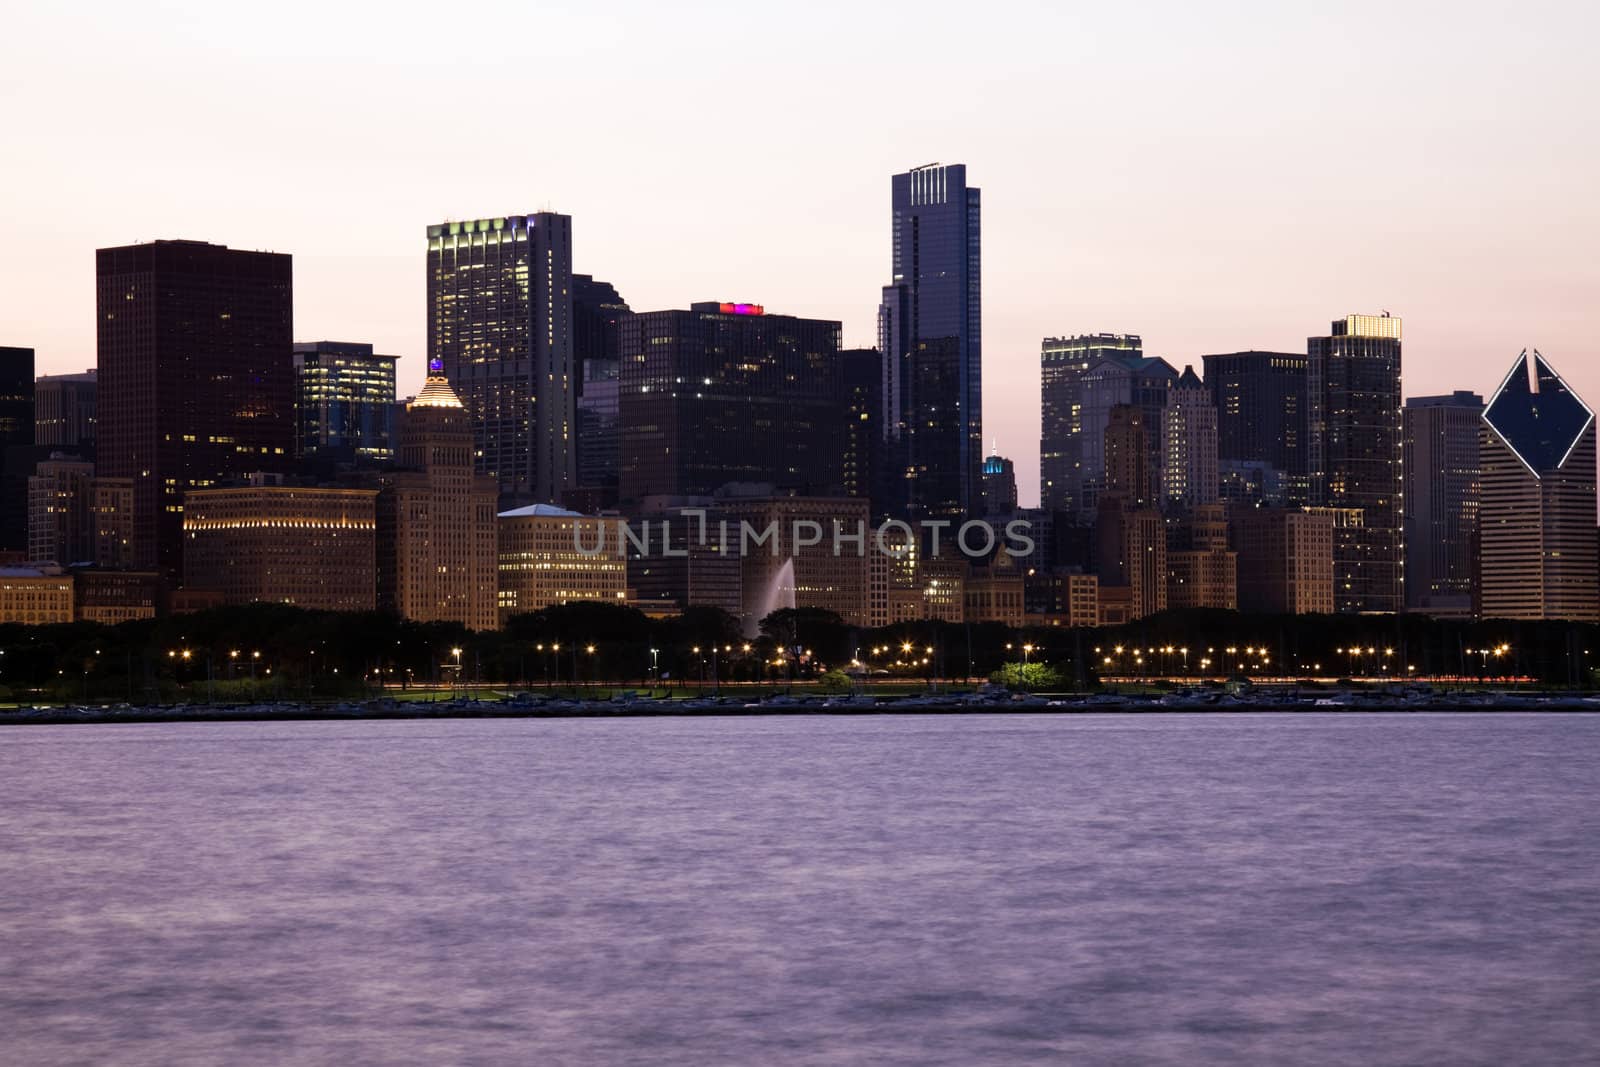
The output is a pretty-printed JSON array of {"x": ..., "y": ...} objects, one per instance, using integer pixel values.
[{"x": 436, "y": 391}]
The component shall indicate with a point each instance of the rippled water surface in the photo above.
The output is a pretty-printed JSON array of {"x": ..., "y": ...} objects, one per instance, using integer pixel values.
[{"x": 923, "y": 890}]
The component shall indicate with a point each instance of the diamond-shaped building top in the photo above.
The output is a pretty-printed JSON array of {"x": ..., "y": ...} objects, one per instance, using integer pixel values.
[{"x": 1537, "y": 415}]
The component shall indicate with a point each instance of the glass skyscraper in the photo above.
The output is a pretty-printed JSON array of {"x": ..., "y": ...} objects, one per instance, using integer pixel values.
[
  {"x": 930, "y": 327},
  {"x": 344, "y": 402},
  {"x": 499, "y": 327},
  {"x": 1354, "y": 460}
]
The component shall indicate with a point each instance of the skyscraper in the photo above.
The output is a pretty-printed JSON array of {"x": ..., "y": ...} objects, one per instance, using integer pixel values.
[
  {"x": 500, "y": 324},
  {"x": 16, "y": 396},
  {"x": 728, "y": 393},
  {"x": 1442, "y": 479},
  {"x": 1063, "y": 361},
  {"x": 196, "y": 376},
  {"x": 999, "y": 485},
  {"x": 436, "y": 517},
  {"x": 1354, "y": 460},
  {"x": 930, "y": 327},
  {"x": 344, "y": 402},
  {"x": 1188, "y": 460},
  {"x": 1260, "y": 399},
  {"x": 861, "y": 385},
  {"x": 597, "y": 314},
  {"x": 1539, "y": 557},
  {"x": 17, "y": 454}
]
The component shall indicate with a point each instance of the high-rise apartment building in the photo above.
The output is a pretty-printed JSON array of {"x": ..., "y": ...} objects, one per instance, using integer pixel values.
[
  {"x": 196, "y": 376},
  {"x": 314, "y": 547},
  {"x": 64, "y": 409},
  {"x": 930, "y": 331},
  {"x": 1443, "y": 477},
  {"x": 500, "y": 324},
  {"x": 1538, "y": 556},
  {"x": 1063, "y": 361},
  {"x": 728, "y": 393},
  {"x": 436, "y": 517},
  {"x": 344, "y": 402},
  {"x": 1354, "y": 461}
]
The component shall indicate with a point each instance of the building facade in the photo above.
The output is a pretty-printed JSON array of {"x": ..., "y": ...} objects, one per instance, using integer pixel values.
[
  {"x": 64, "y": 409},
  {"x": 35, "y": 596},
  {"x": 61, "y": 527},
  {"x": 197, "y": 375},
  {"x": 1443, "y": 482},
  {"x": 1355, "y": 458},
  {"x": 1285, "y": 561},
  {"x": 549, "y": 556},
  {"x": 726, "y": 393},
  {"x": 1539, "y": 556},
  {"x": 500, "y": 324},
  {"x": 930, "y": 330},
  {"x": 344, "y": 403},
  {"x": 283, "y": 544}
]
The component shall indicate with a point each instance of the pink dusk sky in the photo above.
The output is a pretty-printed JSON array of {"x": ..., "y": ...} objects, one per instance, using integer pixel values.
[{"x": 1212, "y": 176}]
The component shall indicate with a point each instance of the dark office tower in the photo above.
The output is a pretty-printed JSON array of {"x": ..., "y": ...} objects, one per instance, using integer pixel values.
[
  {"x": 1063, "y": 361},
  {"x": 727, "y": 393},
  {"x": 17, "y": 455},
  {"x": 1539, "y": 557},
  {"x": 344, "y": 403},
  {"x": 64, "y": 409},
  {"x": 999, "y": 485},
  {"x": 599, "y": 435},
  {"x": 196, "y": 365},
  {"x": 597, "y": 312},
  {"x": 1354, "y": 459},
  {"x": 499, "y": 322},
  {"x": 930, "y": 331},
  {"x": 1442, "y": 482},
  {"x": 861, "y": 405},
  {"x": 16, "y": 396},
  {"x": 597, "y": 309},
  {"x": 1261, "y": 411}
]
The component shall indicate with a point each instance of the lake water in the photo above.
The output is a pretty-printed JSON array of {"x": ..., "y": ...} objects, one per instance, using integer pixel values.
[{"x": 1378, "y": 889}]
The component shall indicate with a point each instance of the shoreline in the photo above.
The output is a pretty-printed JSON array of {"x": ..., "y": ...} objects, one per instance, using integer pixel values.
[{"x": 1532, "y": 703}]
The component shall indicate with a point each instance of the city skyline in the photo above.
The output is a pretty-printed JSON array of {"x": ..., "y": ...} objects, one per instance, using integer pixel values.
[{"x": 1221, "y": 218}]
